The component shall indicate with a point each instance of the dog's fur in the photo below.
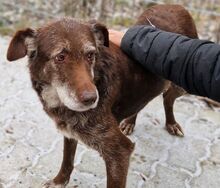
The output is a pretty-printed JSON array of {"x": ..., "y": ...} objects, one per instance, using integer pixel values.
[{"x": 88, "y": 86}]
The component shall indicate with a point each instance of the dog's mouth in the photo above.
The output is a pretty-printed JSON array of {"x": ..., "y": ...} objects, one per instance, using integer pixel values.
[{"x": 71, "y": 101}]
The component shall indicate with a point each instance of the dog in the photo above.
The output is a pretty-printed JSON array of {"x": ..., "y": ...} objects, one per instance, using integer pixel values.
[{"x": 92, "y": 90}]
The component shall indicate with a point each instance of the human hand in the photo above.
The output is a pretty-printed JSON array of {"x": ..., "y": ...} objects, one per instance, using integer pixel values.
[{"x": 115, "y": 36}]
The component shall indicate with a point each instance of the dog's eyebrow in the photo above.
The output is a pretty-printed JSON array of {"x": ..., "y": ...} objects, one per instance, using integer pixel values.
[
  {"x": 87, "y": 47},
  {"x": 60, "y": 47}
]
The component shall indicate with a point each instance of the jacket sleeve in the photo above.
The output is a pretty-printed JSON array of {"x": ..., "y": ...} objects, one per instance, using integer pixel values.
[{"x": 192, "y": 64}]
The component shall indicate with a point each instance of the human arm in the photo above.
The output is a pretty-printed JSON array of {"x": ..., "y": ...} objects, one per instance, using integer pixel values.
[{"x": 190, "y": 63}]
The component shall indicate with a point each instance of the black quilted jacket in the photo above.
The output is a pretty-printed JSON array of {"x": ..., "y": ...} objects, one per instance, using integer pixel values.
[{"x": 192, "y": 64}]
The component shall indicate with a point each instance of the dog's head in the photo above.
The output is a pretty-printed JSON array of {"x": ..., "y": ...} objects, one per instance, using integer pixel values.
[{"x": 63, "y": 54}]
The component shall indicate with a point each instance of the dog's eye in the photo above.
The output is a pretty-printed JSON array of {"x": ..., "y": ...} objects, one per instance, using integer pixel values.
[
  {"x": 90, "y": 57},
  {"x": 60, "y": 58}
]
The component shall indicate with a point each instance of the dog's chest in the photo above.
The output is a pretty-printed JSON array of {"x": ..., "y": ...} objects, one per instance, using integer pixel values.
[
  {"x": 67, "y": 130},
  {"x": 73, "y": 127}
]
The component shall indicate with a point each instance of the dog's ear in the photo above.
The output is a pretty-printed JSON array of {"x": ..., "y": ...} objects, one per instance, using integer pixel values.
[
  {"x": 101, "y": 33},
  {"x": 18, "y": 46}
]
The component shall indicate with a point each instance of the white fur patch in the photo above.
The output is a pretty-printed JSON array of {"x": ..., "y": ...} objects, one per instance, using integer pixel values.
[
  {"x": 31, "y": 46},
  {"x": 68, "y": 132},
  {"x": 89, "y": 47},
  {"x": 92, "y": 70},
  {"x": 50, "y": 96},
  {"x": 69, "y": 98},
  {"x": 59, "y": 48}
]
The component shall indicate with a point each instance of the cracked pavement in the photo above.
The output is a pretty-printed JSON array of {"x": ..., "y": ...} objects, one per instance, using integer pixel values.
[{"x": 31, "y": 147}]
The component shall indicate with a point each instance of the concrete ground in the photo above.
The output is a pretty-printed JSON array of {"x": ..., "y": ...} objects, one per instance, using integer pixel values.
[{"x": 31, "y": 148}]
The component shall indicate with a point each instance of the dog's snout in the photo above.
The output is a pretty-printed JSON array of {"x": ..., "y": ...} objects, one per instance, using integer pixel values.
[{"x": 88, "y": 97}]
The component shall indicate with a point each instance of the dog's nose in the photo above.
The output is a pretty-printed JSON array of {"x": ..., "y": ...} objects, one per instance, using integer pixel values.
[{"x": 88, "y": 97}]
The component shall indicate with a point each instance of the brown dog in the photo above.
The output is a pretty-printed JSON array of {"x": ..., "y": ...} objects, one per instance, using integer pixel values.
[{"x": 88, "y": 86}]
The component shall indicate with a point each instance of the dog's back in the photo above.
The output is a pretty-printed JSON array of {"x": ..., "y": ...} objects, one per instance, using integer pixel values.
[{"x": 172, "y": 18}]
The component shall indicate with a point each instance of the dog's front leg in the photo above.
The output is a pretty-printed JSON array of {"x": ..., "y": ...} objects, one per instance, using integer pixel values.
[
  {"x": 116, "y": 152},
  {"x": 62, "y": 178}
]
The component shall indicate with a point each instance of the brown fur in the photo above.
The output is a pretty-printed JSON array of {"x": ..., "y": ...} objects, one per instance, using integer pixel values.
[{"x": 123, "y": 86}]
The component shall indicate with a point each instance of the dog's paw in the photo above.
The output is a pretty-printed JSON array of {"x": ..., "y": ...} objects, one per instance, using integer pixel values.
[
  {"x": 51, "y": 184},
  {"x": 126, "y": 127},
  {"x": 175, "y": 129}
]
